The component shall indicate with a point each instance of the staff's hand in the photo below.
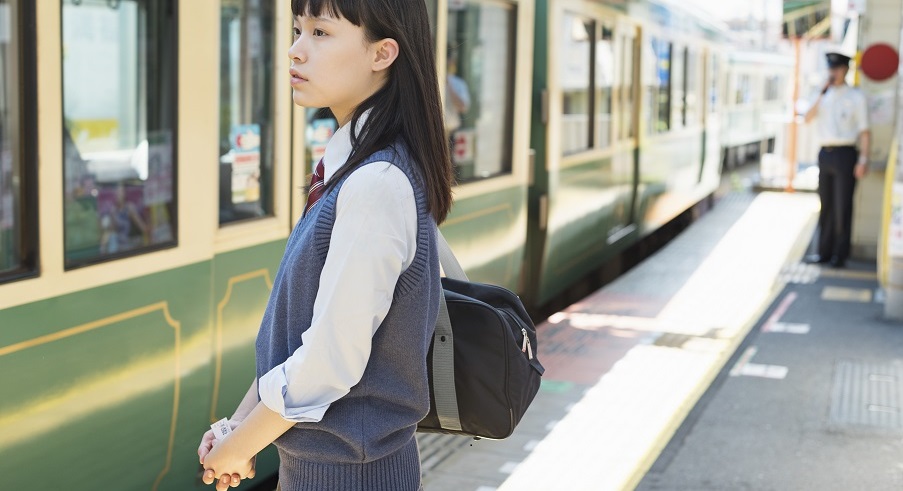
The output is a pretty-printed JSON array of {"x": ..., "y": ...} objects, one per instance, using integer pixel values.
[{"x": 860, "y": 170}]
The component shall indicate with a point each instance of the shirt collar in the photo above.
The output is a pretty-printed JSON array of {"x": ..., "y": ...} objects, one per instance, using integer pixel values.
[{"x": 339, "y": 147}]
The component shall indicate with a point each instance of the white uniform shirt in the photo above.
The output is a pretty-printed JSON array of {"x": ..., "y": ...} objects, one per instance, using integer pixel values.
[
  {"x": 842, "y": 115},
  {"x": 373, "y": 241}
]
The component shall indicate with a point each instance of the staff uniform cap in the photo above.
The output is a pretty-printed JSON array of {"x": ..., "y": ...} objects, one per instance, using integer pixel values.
[{"x": 836, "y": 60}]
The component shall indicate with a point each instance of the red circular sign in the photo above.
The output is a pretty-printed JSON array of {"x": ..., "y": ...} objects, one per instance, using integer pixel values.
[{"x": 880, "y": 62}]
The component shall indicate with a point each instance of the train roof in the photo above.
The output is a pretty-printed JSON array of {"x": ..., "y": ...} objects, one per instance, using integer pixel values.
[
  {"x": 754, "y": 57},
  {"x": 680, "y": 17}
]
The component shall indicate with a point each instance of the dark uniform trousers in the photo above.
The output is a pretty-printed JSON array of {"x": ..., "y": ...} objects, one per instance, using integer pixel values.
[{"x": 836, "y": 183}]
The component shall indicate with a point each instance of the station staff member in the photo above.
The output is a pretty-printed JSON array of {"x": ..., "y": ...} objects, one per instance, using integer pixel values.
[{"x": 841, "y": 116}]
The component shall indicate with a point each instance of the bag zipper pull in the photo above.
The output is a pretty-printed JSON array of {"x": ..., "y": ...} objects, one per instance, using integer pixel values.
[{"x": 525, "y": 346}]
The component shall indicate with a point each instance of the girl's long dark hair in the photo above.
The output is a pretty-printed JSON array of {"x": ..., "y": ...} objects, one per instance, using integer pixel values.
[{"x": 408, "y": 105}]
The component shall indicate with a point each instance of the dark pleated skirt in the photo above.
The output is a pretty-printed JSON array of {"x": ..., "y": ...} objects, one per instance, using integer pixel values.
[{"x": 399, "y": 471}]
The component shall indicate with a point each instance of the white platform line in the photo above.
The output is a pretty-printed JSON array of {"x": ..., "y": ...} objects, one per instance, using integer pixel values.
[
  {"x": 779, "y": 312},
  {"x": 776, "y": 372},
  {"x": 531, "y": 445},
  {"x": 790, "y": 328},
  {"x": 747, "y": 355}
]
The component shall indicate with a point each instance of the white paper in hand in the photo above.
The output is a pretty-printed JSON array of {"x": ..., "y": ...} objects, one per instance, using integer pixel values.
[{"x": 221, "y": 428}]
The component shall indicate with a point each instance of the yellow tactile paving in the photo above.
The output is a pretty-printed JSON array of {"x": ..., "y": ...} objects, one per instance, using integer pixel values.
[{"x": 843, "y": 294}]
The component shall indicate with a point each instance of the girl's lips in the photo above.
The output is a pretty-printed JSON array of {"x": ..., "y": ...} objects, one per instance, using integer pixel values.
[{"x": 296, "y": 78}]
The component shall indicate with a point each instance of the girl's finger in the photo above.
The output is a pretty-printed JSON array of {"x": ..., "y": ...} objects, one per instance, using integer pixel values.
[
  {"x": 223, "y": 483},
  {"x": 236, "y": 480},
  {"x": 209, "y": 476}
]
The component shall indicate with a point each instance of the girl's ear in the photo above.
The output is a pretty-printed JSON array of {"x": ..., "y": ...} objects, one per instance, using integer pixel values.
[{"x": 386, "y": 51}]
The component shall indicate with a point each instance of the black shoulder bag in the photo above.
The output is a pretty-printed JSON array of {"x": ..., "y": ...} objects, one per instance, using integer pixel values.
[{"x": 482, "y": 364}]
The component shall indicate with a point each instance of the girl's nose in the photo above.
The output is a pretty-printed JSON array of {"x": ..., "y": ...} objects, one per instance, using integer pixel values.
[{"x": 296, "y": 52}]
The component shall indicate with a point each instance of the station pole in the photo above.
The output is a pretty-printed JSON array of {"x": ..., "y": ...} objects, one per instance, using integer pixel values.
[{"x": 791, "y": 152}]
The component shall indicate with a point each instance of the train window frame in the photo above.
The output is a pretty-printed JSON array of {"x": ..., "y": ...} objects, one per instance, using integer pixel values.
[
  {"x": 523, "y": 103},
  {"x": 172, "y": 82},
  {"x": 591, "y": 26},
  {"x": 659, "y": 94},
  {"x": 507, "y": 165},
  {"x": 26, "y": 88},
  {"x": 263, "y": 128}
]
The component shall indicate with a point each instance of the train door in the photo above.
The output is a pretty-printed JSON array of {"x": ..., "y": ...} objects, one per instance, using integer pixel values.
[{"x": 587, "y": 145}]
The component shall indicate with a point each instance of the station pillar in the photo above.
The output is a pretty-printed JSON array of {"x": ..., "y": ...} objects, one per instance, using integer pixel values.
[
  {"x": 880, "y": 22},
  {"x": 891, "y": 259}
]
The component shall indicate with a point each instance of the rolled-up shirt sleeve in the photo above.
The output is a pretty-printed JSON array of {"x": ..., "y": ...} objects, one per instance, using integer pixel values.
[{"x": 372, "y": 243}]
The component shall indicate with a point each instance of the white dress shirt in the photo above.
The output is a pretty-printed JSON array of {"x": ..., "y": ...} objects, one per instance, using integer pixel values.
[
  {"x": 373, "y": 241},
  {"x": 842, "y": 116}
]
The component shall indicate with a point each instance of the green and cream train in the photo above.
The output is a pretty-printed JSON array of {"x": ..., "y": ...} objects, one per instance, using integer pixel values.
[{"x": 152, "y": 166}]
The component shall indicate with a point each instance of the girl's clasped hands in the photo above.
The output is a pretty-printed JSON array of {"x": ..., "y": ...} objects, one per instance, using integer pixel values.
[{"x": 219, "y": 459}]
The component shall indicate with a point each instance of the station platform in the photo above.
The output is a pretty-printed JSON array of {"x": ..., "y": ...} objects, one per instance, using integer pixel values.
[
  {"x": 625, "y": 366},
  {"x": 814, "y": 399}
]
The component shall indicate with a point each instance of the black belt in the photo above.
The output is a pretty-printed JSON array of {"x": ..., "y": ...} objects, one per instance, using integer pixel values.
[{"x": 830, "y": 148}]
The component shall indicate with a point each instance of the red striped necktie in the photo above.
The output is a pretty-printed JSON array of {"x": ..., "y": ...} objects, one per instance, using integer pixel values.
[{"x": 316, "y": 187}]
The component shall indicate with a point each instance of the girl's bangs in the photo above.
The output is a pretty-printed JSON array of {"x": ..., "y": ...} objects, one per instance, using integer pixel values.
[{"x": 347, "y": 9}]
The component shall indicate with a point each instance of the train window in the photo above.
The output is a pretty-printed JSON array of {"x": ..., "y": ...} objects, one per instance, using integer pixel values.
[
  {"x": 576, "y": 53},
  {"x": 743, "y": 90},
  {"x": 772, "y": 87},
  {"x": 246, "y": 142},
  {"x": 119, "y": 113},
  {"x": 605, "y": 73},
  {"x": 657, "y": 75},
  {"x": 18, "y": 221},
  {"x": 479, "y": 96}
]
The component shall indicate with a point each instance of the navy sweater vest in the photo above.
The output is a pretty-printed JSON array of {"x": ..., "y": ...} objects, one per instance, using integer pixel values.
[{"x": 365, "y": 441}]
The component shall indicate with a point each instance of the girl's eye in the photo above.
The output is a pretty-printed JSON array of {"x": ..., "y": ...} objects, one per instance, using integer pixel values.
[
  {"x": 296, "y": 32},
  {"x": 319, "y": 33}
]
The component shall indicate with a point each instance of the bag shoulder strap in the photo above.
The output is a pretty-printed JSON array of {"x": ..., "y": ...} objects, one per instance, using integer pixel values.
[
  {"x": 447, "y": 259},
  {"x": 444, "y": 345}
]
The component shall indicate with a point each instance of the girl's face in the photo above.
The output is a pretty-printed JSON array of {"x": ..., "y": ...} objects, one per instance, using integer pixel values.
[{"x": 333, "y": 65}]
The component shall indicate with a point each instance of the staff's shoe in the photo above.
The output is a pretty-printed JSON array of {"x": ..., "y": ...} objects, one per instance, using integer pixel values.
[
  {"x": 838, "y": 263},
  {"x": 816, "y": 259}
]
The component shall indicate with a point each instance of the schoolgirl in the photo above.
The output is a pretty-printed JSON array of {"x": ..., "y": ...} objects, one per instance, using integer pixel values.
[{"x": 341, "y": 377}]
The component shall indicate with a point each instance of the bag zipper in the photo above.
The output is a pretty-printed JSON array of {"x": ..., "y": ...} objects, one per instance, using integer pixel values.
[{"x": 525, "y": 346}]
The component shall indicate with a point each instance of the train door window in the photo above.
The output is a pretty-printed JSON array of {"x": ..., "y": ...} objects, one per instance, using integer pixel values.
[
  {"x": 605, "y": 73},
  {"x": 626, "y": 89},
  {"x": 691, "y": 98},
  {"x": 479, "y": 96},
  {"x": 119, "y": 113},
  {"x": 575, "y": 55},
  {"x": 246, "y": 141},
  {"x": 657, "y": 80},
  {"x": 18, "y": 220},
  {"x": 713, "y": 72}
]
